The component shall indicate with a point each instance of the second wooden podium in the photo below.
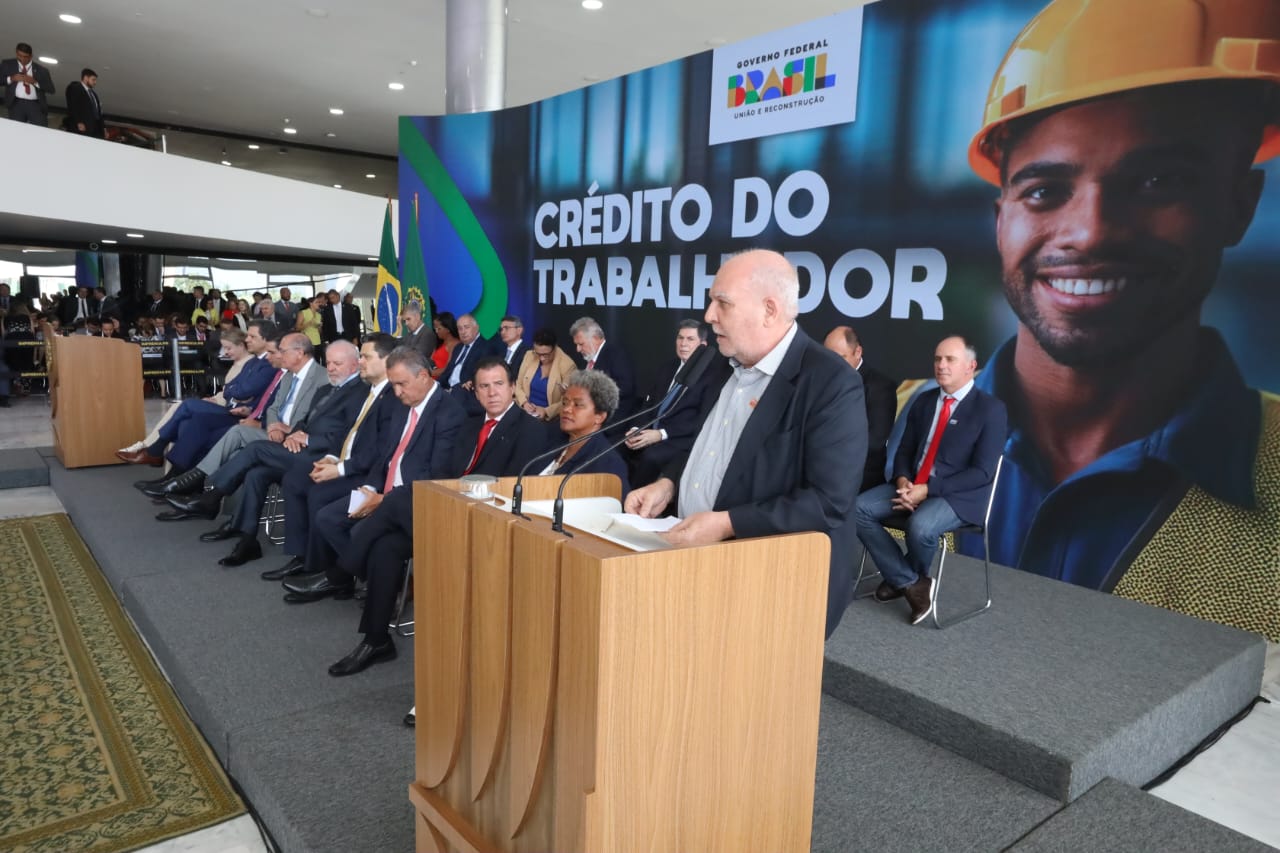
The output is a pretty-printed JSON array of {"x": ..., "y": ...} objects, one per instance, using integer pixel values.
[{"x": 573, "y": 695}]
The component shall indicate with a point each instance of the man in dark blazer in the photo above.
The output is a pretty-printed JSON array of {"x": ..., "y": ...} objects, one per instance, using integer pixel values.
[
  {"x": 512, "y": 440},
  {"x": 417, "y": 333},
  {"x": 651, "y": 449},
  {"x": 27, "y": 86},
  {"x": 881, "y": 394},
  {"x": 254, "y": 468},
  {"x": 428, "y": 428},
  {"x": 942, "y": 475},
  {"x": 84, "y": 110},
  {"x": 470, "y": 350},
  {"x": 789, "y": 418},
  {"x": 510, "y": 346},
  {"x": 310, "y": 486},
  {"x": 339, "y": 321},
  {"x": 610, "y": 359}
]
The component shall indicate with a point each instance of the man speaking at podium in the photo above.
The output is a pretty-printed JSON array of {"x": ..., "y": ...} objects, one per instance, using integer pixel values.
[{"x": 783, "y": 447}]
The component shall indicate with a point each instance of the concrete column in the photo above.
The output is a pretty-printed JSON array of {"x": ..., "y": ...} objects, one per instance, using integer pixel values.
[{"x": 475, "y": 55}]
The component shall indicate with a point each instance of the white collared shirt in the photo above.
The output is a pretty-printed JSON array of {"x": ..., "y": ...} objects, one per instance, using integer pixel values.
[
  {"x": 287, "y": 412},
  {"x": 399, "y": 480},
  {"x": 959, "y": 395}
]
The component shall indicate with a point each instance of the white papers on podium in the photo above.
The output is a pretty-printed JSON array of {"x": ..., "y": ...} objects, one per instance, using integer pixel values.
[{"x": 603, "y": 517}]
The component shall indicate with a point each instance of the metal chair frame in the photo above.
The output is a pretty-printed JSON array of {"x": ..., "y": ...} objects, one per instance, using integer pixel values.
[
  {"x": 272, "y": 519},
  {"x": 398, "y": 624},
  {"x": 942, "y": 558}
]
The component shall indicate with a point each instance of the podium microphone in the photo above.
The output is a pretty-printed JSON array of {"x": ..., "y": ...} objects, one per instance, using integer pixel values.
[
  {"x": 517, "y": 493},
  {"x": 557, "y": 509}
]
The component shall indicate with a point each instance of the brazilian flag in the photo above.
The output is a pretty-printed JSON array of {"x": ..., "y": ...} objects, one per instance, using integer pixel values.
[
  {"x": 413, "y": 269},
  {"x": 387, "y": 317}
]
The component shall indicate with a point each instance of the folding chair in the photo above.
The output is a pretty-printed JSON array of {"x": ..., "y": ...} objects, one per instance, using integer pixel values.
[{"x": 901, "y": 525}]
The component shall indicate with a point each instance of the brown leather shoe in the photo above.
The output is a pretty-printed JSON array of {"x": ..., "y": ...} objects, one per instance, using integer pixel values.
[
  {"x": 920, "y": 597},
  {"x": 141, "y": 457},
  {"x": 885, "y": 592}
]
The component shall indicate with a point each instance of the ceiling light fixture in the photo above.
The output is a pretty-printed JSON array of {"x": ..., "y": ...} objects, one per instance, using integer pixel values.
[
  {"x": 395, "y": 87},
  {"x": 375, "y": 260},
  {"x": 47, "y": 60},
  {"x": 337, "y": 186},
  {"x": 68, "y": 18},
  {"x": 253, "y": 146},
  {"x": 109, "y": 242},
  {"x": 290, "y": 130},
  {"x": 226, "y": 162},
  {"x": 592, "y": 5},
  {"x": 371, "y": 175},
  {"x": 335, "y": 111},
  {"x": 135, "y": 235},
  {"x": 331, "y": 135}
]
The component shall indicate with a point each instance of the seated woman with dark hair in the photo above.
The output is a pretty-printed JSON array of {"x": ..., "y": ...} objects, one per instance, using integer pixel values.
[
  {"x": 445, "y": 326},
  {"x": 589, "y": 398},
  {"x": 541, "y": 376}
]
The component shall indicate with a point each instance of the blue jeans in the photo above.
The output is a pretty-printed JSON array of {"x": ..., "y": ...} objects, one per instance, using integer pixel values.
[{"x": 930, "y": 520}]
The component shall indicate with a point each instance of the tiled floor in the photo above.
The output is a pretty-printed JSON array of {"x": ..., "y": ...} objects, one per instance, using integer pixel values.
[{"x": 1234, "y": 782}]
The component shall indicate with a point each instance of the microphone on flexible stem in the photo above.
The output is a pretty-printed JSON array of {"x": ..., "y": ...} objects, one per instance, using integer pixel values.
[
  {"x": 517, "y": 493},
  {"x": 557, "y": 509}
]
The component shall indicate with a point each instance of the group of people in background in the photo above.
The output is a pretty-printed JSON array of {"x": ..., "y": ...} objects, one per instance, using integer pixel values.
[{"x": 28, "y": 86}]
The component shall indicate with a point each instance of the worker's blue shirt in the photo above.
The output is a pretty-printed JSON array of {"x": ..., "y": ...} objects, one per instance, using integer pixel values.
[{"x": 1087, "y": 529}]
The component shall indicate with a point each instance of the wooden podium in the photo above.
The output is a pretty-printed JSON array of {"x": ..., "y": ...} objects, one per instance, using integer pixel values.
[
  {"x": 95, "y": 393},
  {"x": 574, "y": 695}
]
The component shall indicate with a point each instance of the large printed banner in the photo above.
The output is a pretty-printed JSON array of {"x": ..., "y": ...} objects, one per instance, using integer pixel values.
[{"x": 1129, "y": 354}]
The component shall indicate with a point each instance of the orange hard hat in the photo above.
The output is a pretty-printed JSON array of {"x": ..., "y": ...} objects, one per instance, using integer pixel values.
[{"x": 1079, "y": 49}]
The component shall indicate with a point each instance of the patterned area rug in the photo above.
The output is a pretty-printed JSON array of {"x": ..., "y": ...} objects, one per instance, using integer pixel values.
[{"x": 96, "y": 753}]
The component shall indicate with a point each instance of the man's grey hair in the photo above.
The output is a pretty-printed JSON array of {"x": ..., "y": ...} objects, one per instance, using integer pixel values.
[
  {"x": 413, "y": 309},
  {"x": 781, "y": 280},
  {"x": 341, "y": 344},
  {"x": 588, "y": 326},
  {"x": 408, "y": 357},
  {"x": 603, "y": 390}
]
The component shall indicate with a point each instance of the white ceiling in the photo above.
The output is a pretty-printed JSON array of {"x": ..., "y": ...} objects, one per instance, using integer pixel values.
[{"x": 241, "y": 67}]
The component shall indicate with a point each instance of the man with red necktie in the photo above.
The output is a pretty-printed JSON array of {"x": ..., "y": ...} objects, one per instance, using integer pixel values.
[
  {"x": 421, "y": 444},
  {"x": 27, "y": 85},
  {"x": 942, "y": 475}
]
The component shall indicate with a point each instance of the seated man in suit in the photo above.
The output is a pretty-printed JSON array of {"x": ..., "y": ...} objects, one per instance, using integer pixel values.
[
  {"x": 881, "y": 394},
  {"x": 613, "y": 361},
  {"x": 198, "y": 424},
  {"x": 260, "y": 464},
  {"x": 417, "y": 334},
  {"x": 942, "y": 475},
  {"x": 471, "y": 347},
  {"x": 513, "y": 348},
  {"x": 294, "y": 398},
  {"x": 649, "y": 450},
  {"x": 308, "y": 485},
  {"x": 428, "y": 426},
  {"x": 782, "y": 447},
  {"x": 502, "y": 440}
]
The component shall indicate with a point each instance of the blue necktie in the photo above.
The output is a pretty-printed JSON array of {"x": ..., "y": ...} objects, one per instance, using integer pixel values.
[{"x": 288, "y": 398}]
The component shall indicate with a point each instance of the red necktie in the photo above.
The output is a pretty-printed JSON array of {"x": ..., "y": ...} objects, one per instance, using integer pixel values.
[
  {"x": 399, "y": 454},
  {"x": 591, "y": 365},
  {"x": 926, "y": 467},
  {"x": 266, "y": 397},
  {"x": 26, "y": 87},
  {"x": 489, "y": 424}
]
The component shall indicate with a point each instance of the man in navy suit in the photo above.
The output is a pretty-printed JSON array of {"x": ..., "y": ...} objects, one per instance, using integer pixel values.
[
  {"x": 510, "y": 345},
  {"x": 942, "y": 475},
  {"x": 881, "y": 394},
  {"x": 782, "y": 448},
  {"x": 651, "y": 449},
  {"x": 309, "y": 485},
  {"x": 611, "y": 360},
  {"x": 424, "y": 433}
]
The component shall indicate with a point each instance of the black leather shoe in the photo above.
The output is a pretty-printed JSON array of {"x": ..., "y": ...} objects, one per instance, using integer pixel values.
[
  {"x": 143, "y": 484},
  {"x": 207, "y": 504},
  {"x": 411, "y": 718},
  {"x": 920, "y": 595},
  {"x": 296, "y": 566},
  {"x": 160, "y": 489},
  {"x": 223, "y": 533},
  {"x": 189, "y": 483},
  {"x": 885, "y": 592},
  {"x": 246, "y": 549},
  {"x": 364, "y": 656},
  {"x": 314, "y": 589}
]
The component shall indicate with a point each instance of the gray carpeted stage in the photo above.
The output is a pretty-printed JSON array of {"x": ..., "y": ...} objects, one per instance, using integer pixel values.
[{"x": 980, "y": 737}]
